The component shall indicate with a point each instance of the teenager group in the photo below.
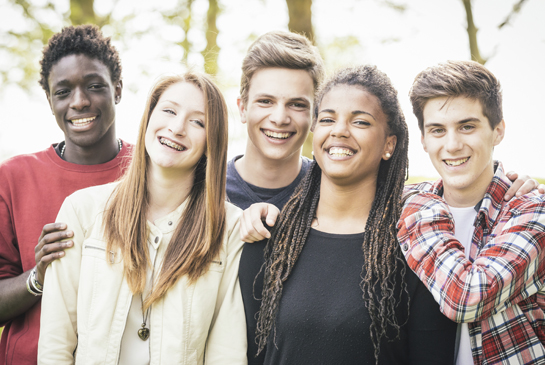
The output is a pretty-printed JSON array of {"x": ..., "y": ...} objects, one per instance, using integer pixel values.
[{"x": 146, "y": 265}]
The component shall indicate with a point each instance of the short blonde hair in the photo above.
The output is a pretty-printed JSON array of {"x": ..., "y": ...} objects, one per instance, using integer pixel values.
[{"x": 283, "y": 50}]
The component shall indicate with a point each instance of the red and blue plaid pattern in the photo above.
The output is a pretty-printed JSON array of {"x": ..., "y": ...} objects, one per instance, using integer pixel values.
[{"x": 499, "y": 290}]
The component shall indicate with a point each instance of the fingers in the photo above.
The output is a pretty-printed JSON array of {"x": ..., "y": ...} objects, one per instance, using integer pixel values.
[
  {"x": 252, "y": 228},
  {"x": 51, "y": 246},
  {"x": 522, "y": 185},
  {"x": 541, "y": 189}
]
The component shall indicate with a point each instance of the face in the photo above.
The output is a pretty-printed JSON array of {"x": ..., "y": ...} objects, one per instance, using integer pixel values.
[
  {"x": 176, "y": 136},
  {"x": 351, "y": 136},
  {"x": 82, "y": 98},
  {"x": 460, "y": 142},
  {"x": 278, "y": 112}
]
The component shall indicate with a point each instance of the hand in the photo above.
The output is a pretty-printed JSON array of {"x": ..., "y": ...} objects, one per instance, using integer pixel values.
[
  {"x": 252, "y": 228},
  {"x": 50, "y": 248},
  {"x": 522, "y": 185}
]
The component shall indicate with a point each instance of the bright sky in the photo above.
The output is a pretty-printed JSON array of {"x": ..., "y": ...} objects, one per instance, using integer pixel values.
[{"x": 400, "y": 44}]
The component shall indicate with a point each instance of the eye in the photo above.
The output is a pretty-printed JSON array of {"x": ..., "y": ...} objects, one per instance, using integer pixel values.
[
  {"x": 169, "y": 111},
  {"x": 264, "y": 101},
  {"x": 96, "y": 86},
  {"x": 61, "y": 92},
  {"x": 362, "y": 123},
  {"x": 326, "y": 121},
  {"x": 467, "y": 127},
  {"x": 437, "y": 131},
  {"x": 198, "y": 122},
  {"x": 300, "y": 106}
]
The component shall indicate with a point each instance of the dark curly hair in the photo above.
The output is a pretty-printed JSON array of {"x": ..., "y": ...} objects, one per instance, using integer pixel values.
[
  {"x": 383, "y": 262},
  {"x": 82, "y": 39}
]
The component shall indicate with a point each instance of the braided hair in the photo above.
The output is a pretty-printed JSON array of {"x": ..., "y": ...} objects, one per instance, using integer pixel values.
[{"x": 381, "y": 256}]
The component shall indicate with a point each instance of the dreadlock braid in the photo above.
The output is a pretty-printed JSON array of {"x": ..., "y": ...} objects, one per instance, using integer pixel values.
[{"x": 383, "y": 263}]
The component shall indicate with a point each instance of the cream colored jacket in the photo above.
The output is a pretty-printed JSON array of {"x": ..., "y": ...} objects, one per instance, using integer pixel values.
[{"x": 86, "y": 300}]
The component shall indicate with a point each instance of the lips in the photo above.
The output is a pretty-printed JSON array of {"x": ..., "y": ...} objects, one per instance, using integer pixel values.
[
  {"x": 340, "y": 151},
  {"x": 171, "y": 144},
  {"x": 456, "y": 162},
  {"x": 82, "y": 121},
  {"x": 277, "y": 135}
]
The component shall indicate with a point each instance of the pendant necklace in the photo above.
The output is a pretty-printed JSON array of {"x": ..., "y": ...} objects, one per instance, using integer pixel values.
[{"x": 144, "y": 332}]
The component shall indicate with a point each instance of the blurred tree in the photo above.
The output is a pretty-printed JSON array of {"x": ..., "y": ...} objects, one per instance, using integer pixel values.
[
  {"x": 211, "y": 51},
  {"x": 472, "y": 29},
  {"x": 300, "y": 21},
  {"x": 83, "y": 12},
  {"x": 182, "y": 15}
]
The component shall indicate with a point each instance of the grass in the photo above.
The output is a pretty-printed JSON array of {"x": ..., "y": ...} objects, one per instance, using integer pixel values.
[{"x": 417, "y": 179}]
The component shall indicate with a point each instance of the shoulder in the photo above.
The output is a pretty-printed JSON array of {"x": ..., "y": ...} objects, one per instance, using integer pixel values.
[
  {"x": 532, "y": 203},
  {"x": 232, "y": 215},
  {"x": 92, "y": 199},
  {"x": 13, "y": 164},
  {"x": 306, "y": 162}
]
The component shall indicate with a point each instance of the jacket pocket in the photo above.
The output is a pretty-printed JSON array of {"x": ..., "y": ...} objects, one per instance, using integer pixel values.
[{"x": 97, "y": 249}]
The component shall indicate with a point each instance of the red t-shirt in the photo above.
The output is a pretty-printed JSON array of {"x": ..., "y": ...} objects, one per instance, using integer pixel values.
[{"x": 32, "y": 190}]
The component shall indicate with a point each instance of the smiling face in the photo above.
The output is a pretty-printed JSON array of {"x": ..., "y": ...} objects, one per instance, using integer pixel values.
[
  {"x": 351, "y": 136},
  {"x": 82, "y": 98},
  {"x": 176, "y": 136},
  {"x": 460, "y": 142},
  {"x": 278, "y": 112}
]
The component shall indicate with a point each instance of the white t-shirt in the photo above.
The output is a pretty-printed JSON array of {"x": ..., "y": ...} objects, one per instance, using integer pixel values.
[{"x": 463, "y": 231}]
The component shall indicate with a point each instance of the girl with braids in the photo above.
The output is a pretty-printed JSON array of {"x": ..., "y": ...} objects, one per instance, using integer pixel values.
[
  {"x": 152, "y": 275},
  {"x": 336, "y": 289}
]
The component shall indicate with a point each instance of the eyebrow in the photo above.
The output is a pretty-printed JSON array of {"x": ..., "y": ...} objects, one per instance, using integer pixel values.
[
  {"x": 355, "y": 112},
  {"x": 463, "y": 121},
  {"x": 85, "y": 77},
  {"x": 178, "y": 105}
]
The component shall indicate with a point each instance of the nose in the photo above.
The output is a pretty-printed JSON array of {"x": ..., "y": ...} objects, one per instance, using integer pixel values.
[
  {"x": 340, "y": 129},
  {"x": 79, "y": 100},
  {"x": 453, "y": 142},
  {"x": 279, "y": 115},
  {"x": 177, "y": 126}
]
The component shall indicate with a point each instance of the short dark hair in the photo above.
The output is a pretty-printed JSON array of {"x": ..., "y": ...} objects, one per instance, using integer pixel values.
[
  {"x": 82, "y": 39},
  {"x": 458, "y": 78},
  {"x": 282, "y": 50}
]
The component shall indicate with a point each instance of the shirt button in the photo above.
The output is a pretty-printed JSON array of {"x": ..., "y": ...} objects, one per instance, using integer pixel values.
[
  {"x": 156, "y": 239},
  {"x": 169, "y": 223},
  {"x": 405, "y": 247}
]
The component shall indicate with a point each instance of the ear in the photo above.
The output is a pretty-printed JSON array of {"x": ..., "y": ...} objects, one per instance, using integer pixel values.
[
  {"x": 499, "y": 132},
  {"x": 118, "y": 91},
  {"x": 242, "y": 110},
  {"x": 389, "y": 147},
  {"x": 423, "y": 141}
]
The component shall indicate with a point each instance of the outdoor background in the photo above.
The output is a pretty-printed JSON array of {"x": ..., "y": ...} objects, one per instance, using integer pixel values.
[{"x": 401, "y": 37}]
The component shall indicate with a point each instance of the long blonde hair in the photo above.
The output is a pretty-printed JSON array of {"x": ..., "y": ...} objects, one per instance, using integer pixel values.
[{"x": 198, "y": 237}]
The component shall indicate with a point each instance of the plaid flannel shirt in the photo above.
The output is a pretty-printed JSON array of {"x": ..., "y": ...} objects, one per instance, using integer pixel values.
[{"x": 499, "y": 290}]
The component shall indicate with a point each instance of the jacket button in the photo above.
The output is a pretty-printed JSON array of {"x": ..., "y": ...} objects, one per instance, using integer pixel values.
[
  {"x": 405, "y": 247},
  {"x": 169, "y": 223},
  {"x": 156, "y": 239}
]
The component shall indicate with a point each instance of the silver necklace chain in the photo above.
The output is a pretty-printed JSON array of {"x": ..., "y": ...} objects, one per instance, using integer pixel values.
[{"x": 119, "y": 145}]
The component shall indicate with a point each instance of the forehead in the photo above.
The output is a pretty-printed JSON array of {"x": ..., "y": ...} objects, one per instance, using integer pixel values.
[
  {"x": 77, "y": 66},
  {"x": 185, "y": 94},
  {"x": 348, "y": 98},
  {"x": 451, "y": 110},
  {"x": 282, "y": 83}
]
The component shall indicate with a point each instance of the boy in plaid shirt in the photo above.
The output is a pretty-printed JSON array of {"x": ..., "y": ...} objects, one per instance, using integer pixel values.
[{"x": 482, "y": 258}]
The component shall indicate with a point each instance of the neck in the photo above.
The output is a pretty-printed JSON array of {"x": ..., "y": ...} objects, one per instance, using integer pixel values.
[
  {"x": 344, "y": 209},
  {"x": 258, "y": 170},
  {"x": 167, "y": 190},
  {"x": 103, "y": 151},
  {"x": 471, "y": 195}
]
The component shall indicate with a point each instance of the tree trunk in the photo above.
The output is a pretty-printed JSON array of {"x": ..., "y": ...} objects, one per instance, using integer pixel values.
[
  {"x": 82, "y": 12},
  {"x": 300, "y": 21},
  {"x": 472, "y": 34},
  {"x": 211, "y": 52},
  {"x": 300, "y": 17},
  {"x": 186, "y": 25}
]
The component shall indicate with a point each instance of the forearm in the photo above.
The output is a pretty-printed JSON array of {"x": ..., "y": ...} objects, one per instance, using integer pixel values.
[{"x": 14, "y": 297}]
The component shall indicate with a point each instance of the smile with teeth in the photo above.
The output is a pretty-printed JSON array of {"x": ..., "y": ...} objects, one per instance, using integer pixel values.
[
  {"x": 276, "y": 135},
  {"x": 456, "y": 162},
  {"x": 169, "y": 143},
  {"x": 83, "y": 121},
  {"x": 340, "y": 152}
]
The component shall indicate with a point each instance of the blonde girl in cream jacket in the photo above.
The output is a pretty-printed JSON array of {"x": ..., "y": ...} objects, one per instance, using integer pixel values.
[{"x": 152, "y": 276}]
